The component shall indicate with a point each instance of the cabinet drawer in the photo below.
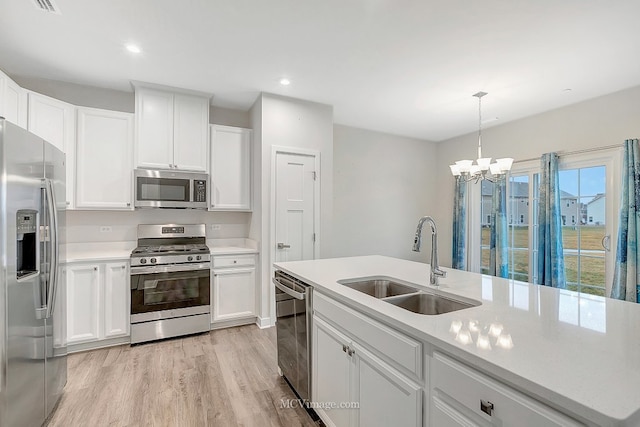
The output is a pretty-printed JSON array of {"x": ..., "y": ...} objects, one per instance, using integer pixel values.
[
  {"x": 398, "y": 349},
  {"x": 233, "y": 261},
  {"x": 451, "y": 379}
]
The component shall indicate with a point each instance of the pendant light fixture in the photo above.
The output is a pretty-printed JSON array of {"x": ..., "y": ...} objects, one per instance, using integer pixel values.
[{"x": 483, "y": 168}]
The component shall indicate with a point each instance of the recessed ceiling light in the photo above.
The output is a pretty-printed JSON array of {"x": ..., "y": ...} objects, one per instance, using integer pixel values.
[
  {"x": 285, "y": 81},
  {"x": 567, "y": 90},
  {"x": 133, "y": 48}
]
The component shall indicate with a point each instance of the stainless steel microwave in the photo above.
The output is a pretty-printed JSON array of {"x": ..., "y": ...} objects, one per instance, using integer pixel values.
[{"x": 170, "y": 189}]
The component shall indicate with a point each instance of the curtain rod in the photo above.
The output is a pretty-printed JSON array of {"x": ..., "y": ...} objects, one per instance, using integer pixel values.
[{"x": 568, "y": 153}]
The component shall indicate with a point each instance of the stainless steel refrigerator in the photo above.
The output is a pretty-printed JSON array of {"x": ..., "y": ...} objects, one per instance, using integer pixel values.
[{"x": 33, "y": 352}]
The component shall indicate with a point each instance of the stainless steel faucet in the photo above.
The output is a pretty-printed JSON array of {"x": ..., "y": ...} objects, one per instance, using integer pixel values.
[{"x": 435, "y": 270}]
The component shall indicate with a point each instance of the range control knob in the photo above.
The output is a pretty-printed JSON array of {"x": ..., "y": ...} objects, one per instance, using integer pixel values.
[
  {"x": 198, "y": 257},
  {"x": 153, "y": 260},
  {"x": 189, "y": 258},
  {"x": 143, "y": 260}
]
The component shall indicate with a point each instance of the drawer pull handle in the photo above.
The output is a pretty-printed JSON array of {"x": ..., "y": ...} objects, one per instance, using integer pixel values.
[
  {"x": 486, "y": 407},
  {"x": 350, "y": 351},
  {"x": 344, "y": 348}
]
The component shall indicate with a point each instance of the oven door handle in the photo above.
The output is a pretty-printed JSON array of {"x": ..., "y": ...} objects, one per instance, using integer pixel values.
[
  {"x": 170, "y": 268},
  {"x": 287, "y": 290}
]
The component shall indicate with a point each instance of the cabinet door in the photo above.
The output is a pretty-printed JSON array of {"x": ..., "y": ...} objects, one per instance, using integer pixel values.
[
  {"x": 83, "y": 302},
  {"x": 190, "y": 132},
  {"x": 104, "y": 159},
  {"x": 230, "y": 168},
  {"x": 117, "y": 299},
  {"x": 234, "y": 293},
  {"x": 13, "y": 101},
  {"x": 54, "y": 121},
  {"x": 154, "y": 129},
  {"x": 386, "y": 397},
  {"x": 331, "y": 373}
]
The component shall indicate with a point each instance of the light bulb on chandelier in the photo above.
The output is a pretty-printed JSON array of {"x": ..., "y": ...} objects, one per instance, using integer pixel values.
[{"x": 483, "y": 168}]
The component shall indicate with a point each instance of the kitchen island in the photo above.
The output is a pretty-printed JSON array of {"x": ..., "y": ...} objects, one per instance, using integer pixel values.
[{"x": 526, "y": 355}]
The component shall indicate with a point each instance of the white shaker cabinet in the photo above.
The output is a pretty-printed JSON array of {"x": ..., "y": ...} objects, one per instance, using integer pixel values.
[
  {"x": 117, "y": 299},
  {"x": 233, "y": 287},
  {"x": 54, "y": 121},
  {"x": 98, "y": 302},
  {"x": 332, "y": 371},
  {"x": 462, "y": 396},
  {"x": 386, "y": 384},
  {"x": 230, "y": 167},
  {"x": 104, "y": 159},
  {"x": 83, "y": 302},
  {"x": 171, "y": 130},
  {"x": 13, "y": 101}
]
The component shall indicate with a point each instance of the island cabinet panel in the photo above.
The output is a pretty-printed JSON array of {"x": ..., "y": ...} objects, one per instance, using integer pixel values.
[
  {"x": 348, "y": 369},
  {"x": 462, "y": 396},
  {"x": 331, "y": 372}
]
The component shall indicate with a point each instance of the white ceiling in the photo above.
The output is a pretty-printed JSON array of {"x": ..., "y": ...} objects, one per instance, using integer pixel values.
[{"x": 407, "y": 67}]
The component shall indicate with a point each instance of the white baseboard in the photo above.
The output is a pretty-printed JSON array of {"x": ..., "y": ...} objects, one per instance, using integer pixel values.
[
  {"x": 233, "y": 322},
  {"x": 94, "y": 345},
  {"x": 264, "y": 322}
]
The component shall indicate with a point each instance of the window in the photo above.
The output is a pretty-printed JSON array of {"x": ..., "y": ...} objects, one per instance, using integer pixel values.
[
  {"x": 584, "y": 255},
  {"x": 485, "y": 238},
  {"x": 588, "y": 196},
  {"x": 518, "y": 234}
]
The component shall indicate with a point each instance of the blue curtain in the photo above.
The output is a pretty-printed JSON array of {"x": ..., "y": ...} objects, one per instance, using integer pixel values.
[
  {"x": 625, "y": 277},
  {"x": 459, "y": 255},
  {"x": 498, "y": 262},
  {"x": 550, "y": 266}
]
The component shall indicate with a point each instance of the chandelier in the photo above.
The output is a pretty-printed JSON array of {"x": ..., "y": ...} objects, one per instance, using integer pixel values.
[{"x": 483, "y": 168}]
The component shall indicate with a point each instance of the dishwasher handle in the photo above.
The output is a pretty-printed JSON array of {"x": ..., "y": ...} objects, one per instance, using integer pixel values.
[{"x": 287, "y": 290}]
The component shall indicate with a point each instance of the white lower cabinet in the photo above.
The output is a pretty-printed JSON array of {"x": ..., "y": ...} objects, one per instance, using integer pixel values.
[
  {"x": 98, "y": 301},
  {"x": 462, "y": 396},
  {"x": 346, "y": 372},
  {"x": 331, "y": 372},
  {"x": 233, "y": 287}
]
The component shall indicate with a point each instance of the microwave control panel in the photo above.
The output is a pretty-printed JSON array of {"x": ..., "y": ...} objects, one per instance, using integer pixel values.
[{"x": 200, "y": 190}]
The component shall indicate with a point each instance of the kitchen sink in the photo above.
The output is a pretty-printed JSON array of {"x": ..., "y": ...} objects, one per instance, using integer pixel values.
[
  {"x": 426, "y": 303},
  {"x": 379, "y": 287},
  {"x": 406, "y": 296}
]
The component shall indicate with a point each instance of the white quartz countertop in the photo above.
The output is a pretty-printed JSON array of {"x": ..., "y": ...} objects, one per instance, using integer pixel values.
[
  {"x": 105, "y": 251},
  {"x": 576, "y": 352},
  {"x": 78, "y": 252}
]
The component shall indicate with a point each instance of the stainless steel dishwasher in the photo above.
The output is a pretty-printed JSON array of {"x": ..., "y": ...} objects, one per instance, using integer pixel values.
[{"x": 293, "y": 328}]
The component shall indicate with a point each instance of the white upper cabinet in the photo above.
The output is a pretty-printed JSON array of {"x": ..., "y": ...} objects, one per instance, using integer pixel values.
[
  {"x": 54, "y": 121},
  {"x": 190, "y": 132},
  {"x": 230, "y": 168},
  {"x": 171, "y": 130},
  {"x": 13, "y": 101},
  {"x": 104, "y": 159}
]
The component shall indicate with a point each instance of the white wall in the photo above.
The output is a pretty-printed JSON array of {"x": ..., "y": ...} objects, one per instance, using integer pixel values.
[
  {"x": 598, "y": 122},
  {"x": 382, "y": 185},
  {"x": 288, "y": 122}
]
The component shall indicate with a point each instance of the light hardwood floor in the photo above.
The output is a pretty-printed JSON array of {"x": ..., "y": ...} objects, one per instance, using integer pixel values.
[{"x": 227, "y": 377}]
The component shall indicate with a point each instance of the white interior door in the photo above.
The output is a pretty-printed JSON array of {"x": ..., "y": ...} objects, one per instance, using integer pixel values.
[{"x": 295, "y": 203}]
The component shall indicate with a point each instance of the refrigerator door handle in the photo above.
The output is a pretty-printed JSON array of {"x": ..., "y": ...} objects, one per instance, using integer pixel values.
[{"x": 54, "y": 253}]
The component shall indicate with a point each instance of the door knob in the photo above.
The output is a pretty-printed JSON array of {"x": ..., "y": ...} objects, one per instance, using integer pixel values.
[{"x": 283, "y": 246}]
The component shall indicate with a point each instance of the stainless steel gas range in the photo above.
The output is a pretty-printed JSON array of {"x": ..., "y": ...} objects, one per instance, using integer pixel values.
[{"x": 170, "y": 271}]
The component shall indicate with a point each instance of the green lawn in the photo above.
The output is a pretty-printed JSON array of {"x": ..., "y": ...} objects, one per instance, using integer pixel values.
[{"x": 591, "y": 264}]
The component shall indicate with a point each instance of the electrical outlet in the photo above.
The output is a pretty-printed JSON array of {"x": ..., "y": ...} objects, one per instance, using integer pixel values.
[
  {"x": 215, "y": 227},
  {"x": 105, "y": 229}
]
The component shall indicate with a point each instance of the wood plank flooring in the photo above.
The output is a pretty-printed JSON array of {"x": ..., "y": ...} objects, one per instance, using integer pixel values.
[{"x": 227, "y": 377}]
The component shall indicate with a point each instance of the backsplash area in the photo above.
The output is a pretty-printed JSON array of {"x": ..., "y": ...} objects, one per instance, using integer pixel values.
[{"x": 118, "y": 226}]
